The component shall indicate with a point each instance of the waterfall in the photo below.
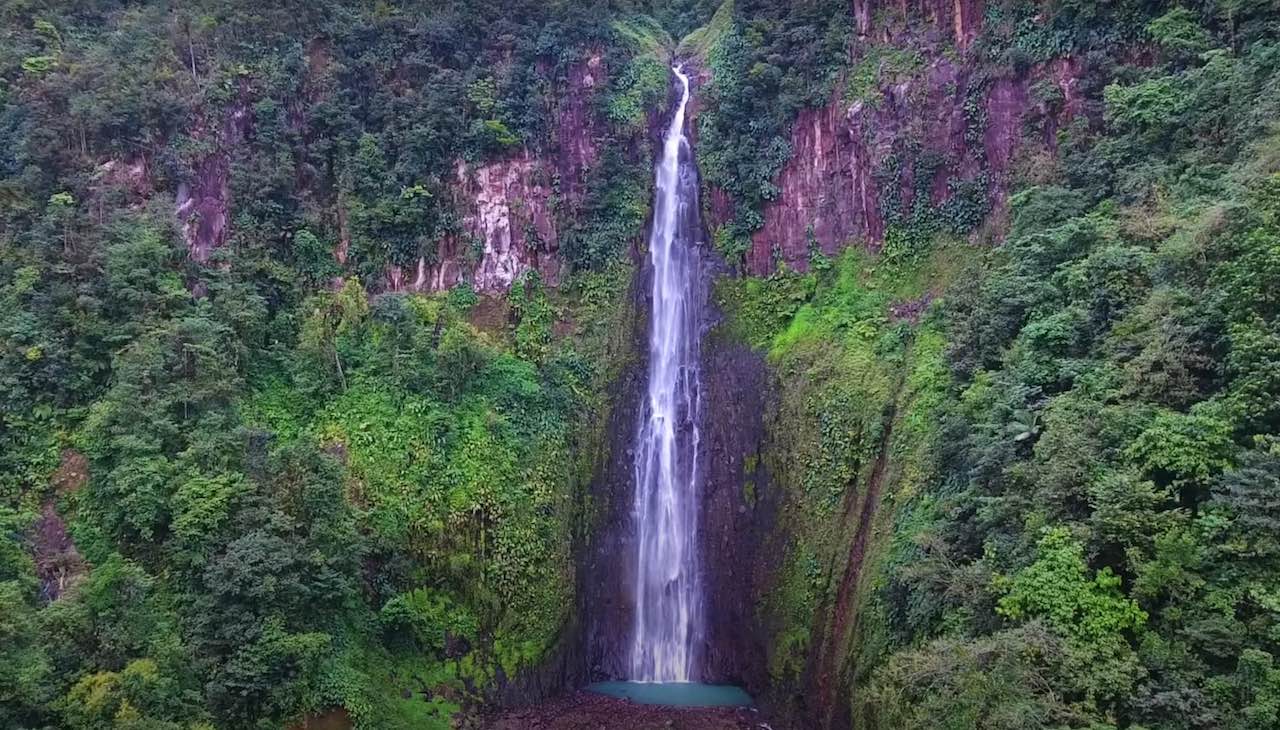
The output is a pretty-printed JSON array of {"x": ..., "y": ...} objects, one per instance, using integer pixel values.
[{"x": 668, "y": 610}]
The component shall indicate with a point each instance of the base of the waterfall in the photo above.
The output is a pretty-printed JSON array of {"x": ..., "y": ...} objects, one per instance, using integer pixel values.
[
  {"x": 675, "y": 694},
  {"x": 587, "y": 710}
]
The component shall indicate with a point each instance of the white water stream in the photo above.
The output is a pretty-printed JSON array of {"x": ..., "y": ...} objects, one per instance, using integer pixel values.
[{"x": 668, "y": 594}]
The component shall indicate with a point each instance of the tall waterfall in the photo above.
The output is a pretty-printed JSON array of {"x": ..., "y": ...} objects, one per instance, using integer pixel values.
[{"x": 668, "y": 596}]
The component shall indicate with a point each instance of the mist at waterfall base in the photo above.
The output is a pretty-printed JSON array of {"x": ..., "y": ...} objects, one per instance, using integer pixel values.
[{"x": 669, "y": 601}]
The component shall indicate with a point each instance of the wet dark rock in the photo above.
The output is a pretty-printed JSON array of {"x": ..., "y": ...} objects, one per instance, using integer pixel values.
[{"x": 733, "y": 531}]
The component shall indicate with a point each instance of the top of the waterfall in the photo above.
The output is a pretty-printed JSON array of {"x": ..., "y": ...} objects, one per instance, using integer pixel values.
[
  {"x": 675, "y": 133},
  {"x": 678, "y": 70}
]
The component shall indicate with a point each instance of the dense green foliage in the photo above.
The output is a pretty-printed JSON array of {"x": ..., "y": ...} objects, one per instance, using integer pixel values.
[
  {"x": 1033, "y": 486},
  {"x": 1077, "y": 494},
  {"x": 1104, "y": 460},
  {"x": 290, "y": 491}
]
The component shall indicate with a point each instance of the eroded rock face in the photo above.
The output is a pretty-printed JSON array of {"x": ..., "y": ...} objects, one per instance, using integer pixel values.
[
  {"x": 58, "y": 563},
  {"x": 961, "y": 19},
  {"x": 838, "y": 184},
  {"x": 577, "y": 128},
  {"x": 510, "y": 213},
  {"x": 826, "y": 191},
  {"x": 508, "y": 229},
  {"x": 130, "y": 177},
  {"x": 203, "y": 203},
  {"x": 512, "y": 209}
]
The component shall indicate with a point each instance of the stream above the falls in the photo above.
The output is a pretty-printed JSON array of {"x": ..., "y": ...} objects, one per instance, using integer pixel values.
[{"x": 675, "y": 694}]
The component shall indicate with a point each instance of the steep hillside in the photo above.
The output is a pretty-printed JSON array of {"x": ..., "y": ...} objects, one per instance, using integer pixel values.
[
  {"x": 245, "y": 474},
  {"x": 1019, "y": 486}
]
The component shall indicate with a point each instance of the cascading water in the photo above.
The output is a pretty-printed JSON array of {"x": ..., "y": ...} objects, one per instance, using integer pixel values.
[
  {"x": 668, "y": 596},
  {"x": 667, "y": 636}
]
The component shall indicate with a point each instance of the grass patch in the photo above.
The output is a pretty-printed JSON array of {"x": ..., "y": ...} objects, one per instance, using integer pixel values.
[
  {"x": 643, "y": 81},
  {"x": 701, "y": 42}
]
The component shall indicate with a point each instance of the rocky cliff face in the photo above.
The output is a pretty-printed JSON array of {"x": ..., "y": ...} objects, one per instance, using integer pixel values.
[
  {"x": 577, "y": 127},
  {"x": 960, "y": 19},
  {"x": 513, "y": 209},
  {"x": 856, "y": 164},
  {"x": 509, "y": 228},
  {"x": 203, "y": 203},
  {"x": 940, "y": 135}
]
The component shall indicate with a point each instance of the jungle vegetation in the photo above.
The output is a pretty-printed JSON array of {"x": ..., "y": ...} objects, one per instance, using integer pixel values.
[{"x": 239, "y": 491}]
